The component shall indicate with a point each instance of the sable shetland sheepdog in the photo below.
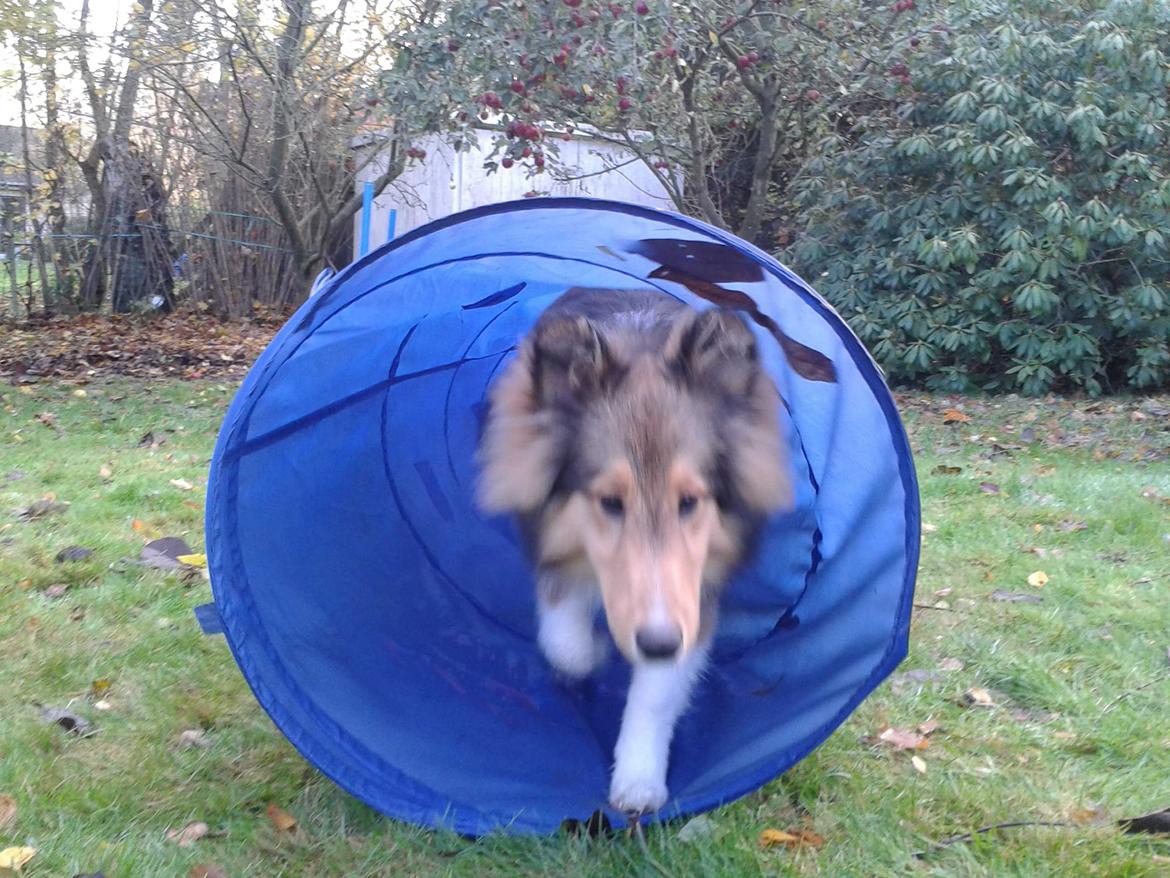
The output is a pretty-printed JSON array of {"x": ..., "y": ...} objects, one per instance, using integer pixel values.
[{"x": 637, "y": 441}]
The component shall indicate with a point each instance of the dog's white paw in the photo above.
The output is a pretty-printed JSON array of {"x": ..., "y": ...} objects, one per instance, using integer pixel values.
[
  {"x": 634, "y": 793},
  {"x": 573, "y": 655}
]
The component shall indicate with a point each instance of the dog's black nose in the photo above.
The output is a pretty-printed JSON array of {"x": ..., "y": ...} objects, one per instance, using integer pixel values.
[{"x": 658, "y": 641}]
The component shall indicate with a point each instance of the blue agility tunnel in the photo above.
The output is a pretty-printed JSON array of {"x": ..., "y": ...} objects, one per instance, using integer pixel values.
[{"x": 387, "y": 626}]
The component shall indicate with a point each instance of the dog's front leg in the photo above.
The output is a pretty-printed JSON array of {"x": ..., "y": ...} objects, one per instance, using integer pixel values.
[
  {"x": 565, "y": 613},
  {"x": 659, "y": 693}
]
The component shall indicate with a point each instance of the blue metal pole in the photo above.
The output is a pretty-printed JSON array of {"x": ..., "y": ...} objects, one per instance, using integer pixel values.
[
  {"x": 393, "y": 221},
  {"x": 367, "y": 208}
]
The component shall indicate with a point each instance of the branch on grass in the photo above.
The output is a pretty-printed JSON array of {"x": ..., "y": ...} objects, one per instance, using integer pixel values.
[{"x": 968, "y": 836}]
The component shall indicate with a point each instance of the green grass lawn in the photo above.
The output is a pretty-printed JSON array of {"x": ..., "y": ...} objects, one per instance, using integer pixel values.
[{"x": 1078, "y": 731}]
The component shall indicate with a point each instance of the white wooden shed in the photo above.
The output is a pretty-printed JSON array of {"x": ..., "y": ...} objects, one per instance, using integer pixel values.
[{"x": 447, "y": 181}]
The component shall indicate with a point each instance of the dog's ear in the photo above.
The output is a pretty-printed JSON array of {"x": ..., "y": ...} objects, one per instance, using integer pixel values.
[
  {"x": 570, "y": 361},
  {"x": 715, "y": 349}
]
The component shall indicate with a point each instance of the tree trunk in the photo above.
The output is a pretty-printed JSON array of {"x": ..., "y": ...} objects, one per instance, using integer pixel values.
[{"x": 33, "y": 223}]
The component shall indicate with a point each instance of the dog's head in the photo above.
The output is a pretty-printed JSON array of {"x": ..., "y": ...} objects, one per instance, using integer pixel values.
[{"x": 647, "y": 467}]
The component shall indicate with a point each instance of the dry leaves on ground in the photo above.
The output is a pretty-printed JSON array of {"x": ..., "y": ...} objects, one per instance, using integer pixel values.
[{"x": 184, "y": 345}]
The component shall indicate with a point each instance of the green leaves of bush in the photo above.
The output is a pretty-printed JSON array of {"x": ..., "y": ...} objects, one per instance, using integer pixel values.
[{"x": 1010, "y": 229}]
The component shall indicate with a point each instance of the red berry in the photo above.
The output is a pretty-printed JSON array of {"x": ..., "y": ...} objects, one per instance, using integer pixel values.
[
  {"x": 538, "y": 160},
  {"x": 625, "y": 104},
  {"x": 566, "y": 137},
  {"x": 641, "y": 8},
  {"x": 518, "y": 87},
  {"x": 507, "y": 163},
  {"x": 453, "y": 45},
  {"x": 753, "y": 56},
  {"x": 526, "y": 152},
  {"x": 615, "y": 10},
  {"x": 577, "y": 20},
  {"x": 670, "y": 51},
  {"x": 914, "y": 41},
  {"x": 572, "y": 4},
  {"x": 620, "y": 85},
  {"x": 743, "y": 62},
  {"x": 813, "y": 95},
  {"x": 661, "y": 164}
]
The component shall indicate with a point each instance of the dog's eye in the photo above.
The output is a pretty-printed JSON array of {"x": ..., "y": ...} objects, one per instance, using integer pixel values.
[
  {"x": 687, "y": 504},
  {"x": 613, "y": 506}
]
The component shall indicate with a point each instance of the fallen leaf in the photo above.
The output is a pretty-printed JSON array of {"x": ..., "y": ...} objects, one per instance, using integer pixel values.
[
  {"x": 929, "y": 727},
  {"x": 798, "y": 838},
  {"x": 977, "y": 697},
  {"x": 1012, "y": 597},
  {"x": 903, "y": 739},
  {"x": 74, "y": 553},
  {"x": 281, "y": 819},
  {"x": 206, "y": 872},
  {"x": 943, "y": 592},
  {"x": 56, "y": 590},
  {"x": 198, "y": 559},
  {"x": 47, "y": 418},
  {"x": 1156, "y": 823},
  {"x": 16, "y": 858},
  {"x": 1038, "y": 579},
  {"x": 182, "y": 484},
  {"x": 950, "y": 664},
  {"x": 919, "y": 764},
  {"x": 69, "y": 721},
  {"x": 100, "y": 688},
  {"x": 7, "y": 811},
  {"x": 1070, "y": 525},
  {"x": 148, "y": 440},
  {"x": 928, "y": 528},
  {"x": 189, "y": 834},
  {"x": 145, "y": 529},
  {"x": 697, "y": 828},
  {"x": 164, "y": 553},
  {"x": 954, "y": 416},
  {"x": 946, "y": 470},
  {"x": 192, "y": 738},
  {"x": 1085, "y": 815},
  {"x": 989, "y": 487},
  {"x": 40, "y": 508}
]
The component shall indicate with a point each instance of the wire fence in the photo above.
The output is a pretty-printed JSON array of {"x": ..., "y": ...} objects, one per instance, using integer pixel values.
[{"x": 226, "y": 261}]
